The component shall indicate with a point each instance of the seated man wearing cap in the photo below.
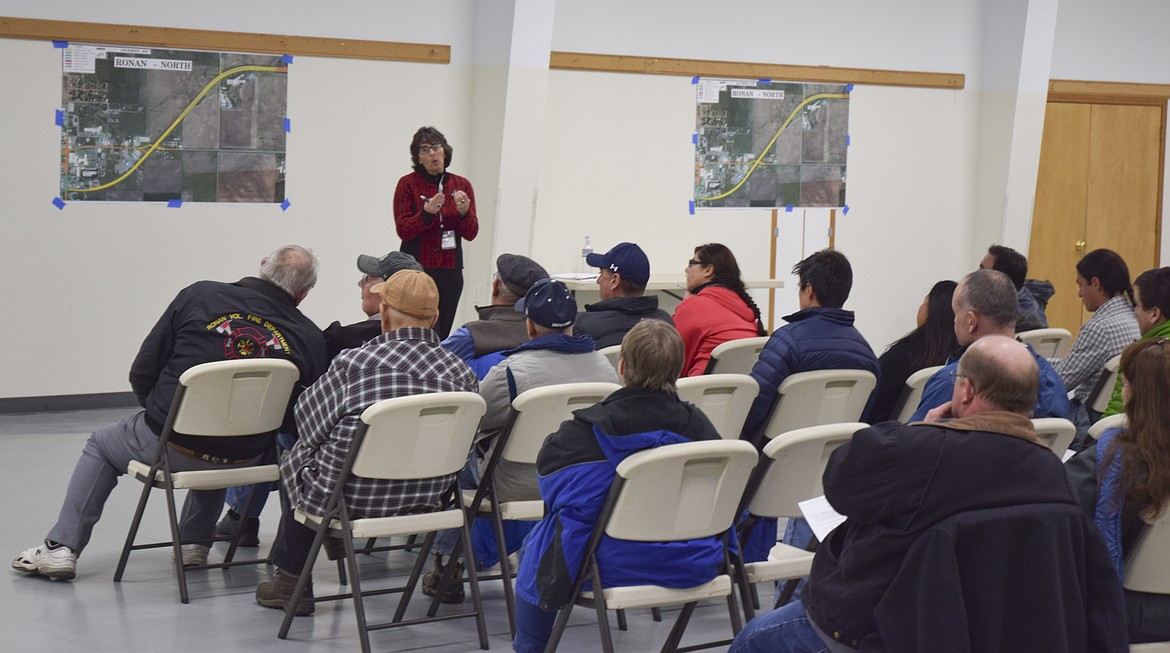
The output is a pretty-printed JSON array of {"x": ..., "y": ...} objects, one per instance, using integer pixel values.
[
  {"x": 375, "y": 270},
  {"x": 625, "y": 271},
  {"x": 405, "y": 360},
  {"x": 481, "y": 343},
  {"x": 552, "y": 355}
]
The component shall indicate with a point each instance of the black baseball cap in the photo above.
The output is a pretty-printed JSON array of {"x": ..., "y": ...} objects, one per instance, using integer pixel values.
[
  {"x": 387, "y": 265},
  {"x": 549, "y": 304}
]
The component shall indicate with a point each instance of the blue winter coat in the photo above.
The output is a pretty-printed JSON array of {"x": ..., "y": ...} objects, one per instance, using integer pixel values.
[
  {"x": 818, "y": 338},
  {"x": 575, "y": 468}
]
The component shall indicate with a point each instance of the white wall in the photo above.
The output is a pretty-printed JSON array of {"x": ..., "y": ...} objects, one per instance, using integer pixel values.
[{"x": 614, "y": 154}]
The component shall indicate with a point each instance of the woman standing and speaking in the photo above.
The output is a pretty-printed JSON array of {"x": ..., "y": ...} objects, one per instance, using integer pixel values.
[{"x": 434, "y": 212}]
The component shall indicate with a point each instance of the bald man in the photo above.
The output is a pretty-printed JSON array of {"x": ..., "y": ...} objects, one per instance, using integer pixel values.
[{"x": 896, "y": 481}]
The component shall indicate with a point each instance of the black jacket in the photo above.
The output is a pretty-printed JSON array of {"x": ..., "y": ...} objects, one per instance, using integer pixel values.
[
  {"x": 894, "y": 481},
  {"x": 211, "y": 321},
  {"x": 338, "y": 338},
  {"x": 609, "y": 319}
]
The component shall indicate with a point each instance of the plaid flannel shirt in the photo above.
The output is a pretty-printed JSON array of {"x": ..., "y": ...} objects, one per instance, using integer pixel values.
[
  {"x": 1111, "y": 329},
  {"x": 403, "y": 362}
]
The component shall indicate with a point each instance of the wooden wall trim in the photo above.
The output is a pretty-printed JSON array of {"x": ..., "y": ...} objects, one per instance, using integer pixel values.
[
  {"x": 1067, "y": 90},
  {"x": 742, "y": 70},
  {"x": 197, "y": 39}
]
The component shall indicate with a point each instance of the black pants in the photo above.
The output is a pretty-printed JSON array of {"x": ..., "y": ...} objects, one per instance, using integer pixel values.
[{"x": 450, "y": 283}]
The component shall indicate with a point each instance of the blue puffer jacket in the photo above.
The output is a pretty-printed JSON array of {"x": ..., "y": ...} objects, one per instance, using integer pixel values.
[
  {"x": 817, "y": 338},
  {"x": 575, "y": 468}
]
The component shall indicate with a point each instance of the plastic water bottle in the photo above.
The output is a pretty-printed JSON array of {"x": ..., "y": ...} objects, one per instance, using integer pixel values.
[{"x": 585, "y": 252}]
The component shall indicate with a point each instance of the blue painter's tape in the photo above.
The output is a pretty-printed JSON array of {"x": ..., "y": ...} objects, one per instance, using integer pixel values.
[
  {"x": 174, "y": 204},
  {"x": 692, "y": 202},
  {"x": 60, "y": 119},
  {"x": 287, "y": 125},
  {"x": 286, "y": 59},
  {"x": 60, "y": 44},
  {"x": 845, "y": 210},
  {"x": 284, "y": 205},
  {"x": 847, "y": 139},
  {"x": 694, "y": 137},
  {"x": 788, "y": 209},
  {"x": 695, "y": 79},
  {"x": 59, "y": 203},
  {"x": 765, "y": 80},
  {"x": 849, "y": 88}
]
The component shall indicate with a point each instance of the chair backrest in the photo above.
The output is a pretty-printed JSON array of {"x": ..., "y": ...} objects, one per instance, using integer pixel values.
[
  {"x": 736, "y": 356},
  {"x": 912, "y": 394},
  {"x": 420, "y": 436},
  {"x": 1105, "y": 423},
  {"x": 1056, "y": 432},
  {"x": 819, "y": 397},
  {"x": 796, "y": 461},
  {"x": 1148, "y": 566},
  {"x": 1103, "y": 391},
  {"x": 540, "y": 411},
  {"x": 611, "y": 353},
  {"x": 680, "y": 491},
  {"x": 1049, "y": 343},
  {"x": 724, "y": 398},
  {"x": 234, "y": 397}
]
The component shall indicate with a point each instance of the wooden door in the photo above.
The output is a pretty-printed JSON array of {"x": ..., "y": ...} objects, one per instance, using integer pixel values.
[{"x": 1098, "y": 186}]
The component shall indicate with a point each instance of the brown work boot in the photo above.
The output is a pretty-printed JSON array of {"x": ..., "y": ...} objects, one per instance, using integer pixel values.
[
  {"x": 430, "y": 582},
  {"x": 278, "y": 592}
]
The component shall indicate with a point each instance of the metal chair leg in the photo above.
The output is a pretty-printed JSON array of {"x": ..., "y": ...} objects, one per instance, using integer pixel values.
[
  {"x": 680, "y": 626},
  {"x": 133, "y": 533}
]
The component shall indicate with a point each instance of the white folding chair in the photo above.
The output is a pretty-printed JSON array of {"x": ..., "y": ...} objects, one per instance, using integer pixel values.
[
  {"x": 535, "y": 414},
  {"x": 790, "y": 472},
  {"x": 1056, "y": 432},
  {"x": 912, "y": 394},
  {"x": 724, "y": 398},
  {"x": 1103, "y": 391},
  {"x": 819, "y": 397},
  {"x": 736, "y": 356},
  {"x": 1147, "y": 569},
  {"x": 416, "y": 437},
  {"x": 220, "y": 399},
  {"x": 612, "y": 353},
  {"x": 1105, "y": 423},
  {"x": 672, "y": 493},
  {"x": 1049, "y": 343}
]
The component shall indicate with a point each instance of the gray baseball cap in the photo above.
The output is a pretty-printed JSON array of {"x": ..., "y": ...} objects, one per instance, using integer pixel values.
[{"x": 387, "y": 265}]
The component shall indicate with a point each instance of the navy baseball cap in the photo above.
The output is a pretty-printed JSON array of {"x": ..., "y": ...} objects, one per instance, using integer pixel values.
[
  {"x": 549, "y": 304},
  {"x": 626, "y": 259}
]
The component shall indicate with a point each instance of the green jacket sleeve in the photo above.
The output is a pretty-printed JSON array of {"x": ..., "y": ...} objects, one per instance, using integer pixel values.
[{"x": 1115, "y": 407}]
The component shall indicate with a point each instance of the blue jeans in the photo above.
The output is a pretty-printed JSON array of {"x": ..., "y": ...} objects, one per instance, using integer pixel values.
[
  {"x": 784, "y": 630},
  {"x": 533, "y": 627},
  {"x": 238, "y": 496},
  {"x": 798, "y": 534}
]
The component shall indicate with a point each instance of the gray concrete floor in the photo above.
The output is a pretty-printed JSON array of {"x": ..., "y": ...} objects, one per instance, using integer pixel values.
[{"x": 143, "y": 612}]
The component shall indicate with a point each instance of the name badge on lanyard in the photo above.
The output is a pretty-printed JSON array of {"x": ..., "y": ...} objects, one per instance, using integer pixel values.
[{"x": 448, "y": 241}]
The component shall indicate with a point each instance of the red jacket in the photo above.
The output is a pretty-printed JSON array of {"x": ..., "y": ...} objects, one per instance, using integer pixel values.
[
  {"x": 420, "y": 232},
  {"x": 709, "y": 319}
]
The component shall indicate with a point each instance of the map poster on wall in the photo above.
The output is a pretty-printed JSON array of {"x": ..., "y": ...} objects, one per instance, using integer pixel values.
[
  {"x": 770, "y": 144},
  {"x": 150, "y": 125}
]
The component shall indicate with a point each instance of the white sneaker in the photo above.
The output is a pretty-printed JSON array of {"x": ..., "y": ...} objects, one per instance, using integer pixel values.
[
  {"x": 60, "y": 562},
  {"x": 194, "y": 554}
]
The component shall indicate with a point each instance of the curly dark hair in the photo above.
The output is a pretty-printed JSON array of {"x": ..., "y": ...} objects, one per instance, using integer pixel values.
[{"x": 432, "y": 136}]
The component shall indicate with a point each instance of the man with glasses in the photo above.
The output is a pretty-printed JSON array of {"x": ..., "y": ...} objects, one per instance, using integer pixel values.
[{"x": 985, "y": 304}]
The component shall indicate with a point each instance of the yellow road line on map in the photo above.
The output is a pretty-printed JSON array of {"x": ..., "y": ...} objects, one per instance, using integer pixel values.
[
  {"x": 756, "y": 163},
  {"x": 154, "y": 146}
]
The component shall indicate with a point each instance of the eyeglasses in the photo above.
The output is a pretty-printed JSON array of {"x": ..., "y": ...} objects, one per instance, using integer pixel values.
[
  {"x": 368, "y": 281},
  {"x": 693, "y": 262},
  {"x": 427, "y": 149},
  {"x": 956, "y": 374}
]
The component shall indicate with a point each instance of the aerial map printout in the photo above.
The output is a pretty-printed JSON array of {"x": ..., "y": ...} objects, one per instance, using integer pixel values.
[
  {"x": 149, "y": 125},
  {"x": 761, "y": 143}
]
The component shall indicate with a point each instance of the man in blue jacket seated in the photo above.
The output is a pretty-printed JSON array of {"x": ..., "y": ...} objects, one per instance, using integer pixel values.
[
  {"x": 820, "y": 336},
  {"x": 985, "y": 304},
  {"x": 576, "y": 466}
]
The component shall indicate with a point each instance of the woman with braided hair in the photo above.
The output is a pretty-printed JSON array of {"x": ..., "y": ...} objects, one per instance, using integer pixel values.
[{"x": 717, "y": 307}]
